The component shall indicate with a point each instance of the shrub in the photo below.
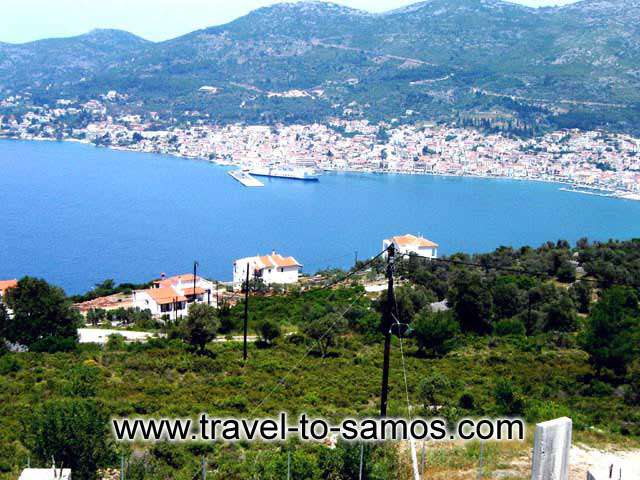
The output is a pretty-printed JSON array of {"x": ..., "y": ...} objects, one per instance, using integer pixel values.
[
  {"x": 115, "y": 342},
  {"x": 435, "y": 331},
  {"x": 510, "y": 326},
  {"x": 612, "y": 335},
  {"x": 267, "y": 330},
  {"x": 74, "y": 432},
  {"x": 508, "y": 398},
  {"x": 434, "y": 391},
  {"x": 54, "y": 344},
  {"x": 9, "y": 364}
]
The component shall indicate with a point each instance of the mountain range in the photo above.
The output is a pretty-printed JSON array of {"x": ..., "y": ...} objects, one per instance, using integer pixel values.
[{"x": 464, "y": 60}]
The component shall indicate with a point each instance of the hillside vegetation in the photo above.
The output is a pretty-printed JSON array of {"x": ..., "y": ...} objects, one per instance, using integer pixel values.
[
  {"x": 527, "y": 334},
  {"x": 571, "y": 66}
]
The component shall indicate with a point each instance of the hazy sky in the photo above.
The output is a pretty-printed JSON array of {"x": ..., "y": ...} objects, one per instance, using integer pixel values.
[{"x": 25, "y": 20}]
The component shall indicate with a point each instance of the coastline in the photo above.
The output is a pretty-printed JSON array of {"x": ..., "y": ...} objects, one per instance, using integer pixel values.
[{"x": 621, "y": 195}]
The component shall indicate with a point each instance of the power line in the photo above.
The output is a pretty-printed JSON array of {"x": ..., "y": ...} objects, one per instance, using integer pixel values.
[
  {"x": 284, "y": 378},
  {"x": 412, "y": 444}
]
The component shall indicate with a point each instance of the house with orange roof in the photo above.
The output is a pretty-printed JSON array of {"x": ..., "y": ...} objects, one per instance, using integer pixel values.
[
  {"x": 172, "y": 296},
  {"x": 273, "y": 269},
  {"x": 412, "y": 245},
  {"x": 6, "y": 285}
]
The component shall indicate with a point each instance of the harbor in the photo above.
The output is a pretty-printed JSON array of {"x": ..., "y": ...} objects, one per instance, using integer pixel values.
[{"x": 245, "y": 178}]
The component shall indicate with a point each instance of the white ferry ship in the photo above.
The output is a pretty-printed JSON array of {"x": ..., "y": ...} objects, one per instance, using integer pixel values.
[{"x": 306, "y": 174}]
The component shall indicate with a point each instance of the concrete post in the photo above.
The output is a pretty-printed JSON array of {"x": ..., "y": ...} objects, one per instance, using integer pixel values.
[{"x": 552, "y": 443}]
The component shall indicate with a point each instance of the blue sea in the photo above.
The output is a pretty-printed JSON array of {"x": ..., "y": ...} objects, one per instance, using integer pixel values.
[{"x": 76, "y": 215}]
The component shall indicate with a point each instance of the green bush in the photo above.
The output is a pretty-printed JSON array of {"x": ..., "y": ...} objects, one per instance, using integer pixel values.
[
  {"x": 510, "y": 326},
  {"x": 9, "y": 364}
]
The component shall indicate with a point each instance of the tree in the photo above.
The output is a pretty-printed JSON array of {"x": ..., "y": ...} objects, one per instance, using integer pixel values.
[
  {"x": 472, "y": 302},
  {"x": 268, "y": 330},
  {"x": 561, "y": 316},
  {"x": 74, "y": 432},
  {"x": 434, "y": 391},
  {"x": 324, "y": 330},
  {"x": 508, "y": 299},
  {"x": 4, "y": 321},
  {"x": 612, "y": 334},
  {"x": 409, "y": 301},
  {"x": 566, "y": 272},
  {"x": 581, "y": 292},
  {"x": 95, "y": 316},
  {"x": 201, "y": 325},
  {"x": 633, "y": 378},
  {"x": 508, "y": 397},
  {"x": 40, "y": 312},
  {"x": 435, "y": 331}
]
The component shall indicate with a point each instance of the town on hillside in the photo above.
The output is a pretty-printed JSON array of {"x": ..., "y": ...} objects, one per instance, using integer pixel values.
[{"x": 593, "y": 162}]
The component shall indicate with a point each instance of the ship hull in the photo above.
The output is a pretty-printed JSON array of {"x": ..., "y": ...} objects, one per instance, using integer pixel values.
[
  {"x": 288, "y": 177},
  {"x": 285, "y": 175}
]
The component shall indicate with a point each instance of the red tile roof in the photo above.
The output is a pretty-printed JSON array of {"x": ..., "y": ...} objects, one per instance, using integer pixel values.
[
  {"x": 408, "y": 239},
  {"x": 7, "y": 284},
  {"x": 189, "y": 291},
  {"x": 165, "y": 295},
  {"x": 285, "y": 261}
]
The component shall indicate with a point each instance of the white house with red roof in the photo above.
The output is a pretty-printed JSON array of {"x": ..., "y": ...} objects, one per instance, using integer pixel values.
[
  {"x": 6, "y": 285},
  {"x": 172, "y": 296},
  {"x": 411, "y": 245},
  {"x": 271, "y": 269}
]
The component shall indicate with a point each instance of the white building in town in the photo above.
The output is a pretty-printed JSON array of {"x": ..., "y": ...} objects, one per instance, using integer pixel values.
[
  {"x": 172, "y": 296},
  {"x": 271, "y": 269},
  {"x": 411, "y": 245}
]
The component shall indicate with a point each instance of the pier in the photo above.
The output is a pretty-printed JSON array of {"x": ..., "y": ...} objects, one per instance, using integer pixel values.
[{"x": 245, "y": 179}]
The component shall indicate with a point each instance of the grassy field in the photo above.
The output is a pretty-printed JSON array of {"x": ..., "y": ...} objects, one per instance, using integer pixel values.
[{"x": 165, "y": 379}]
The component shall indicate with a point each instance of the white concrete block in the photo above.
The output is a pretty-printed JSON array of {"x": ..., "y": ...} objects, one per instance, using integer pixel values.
[{"x": 552, "y": 443}]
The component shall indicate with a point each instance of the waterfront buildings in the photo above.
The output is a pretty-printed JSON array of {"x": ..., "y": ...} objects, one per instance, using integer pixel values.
[
  {"x": 412, "y": 245},
  {"x": 270, "y": 269},
  {"x": 591, "y": 159}
]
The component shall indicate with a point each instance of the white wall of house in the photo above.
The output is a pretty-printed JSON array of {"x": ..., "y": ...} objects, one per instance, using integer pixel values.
[
  {"x": 144, "y": 301},
  {"x": 269, "y": 275},
  {"x": 240, "y": 269},
  {"x": 284, "y": 275}
]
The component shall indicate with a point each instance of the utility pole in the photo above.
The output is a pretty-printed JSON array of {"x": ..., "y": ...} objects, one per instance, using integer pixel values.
[
  {"x": 121, "y": 467},
  {"x": 246, "y": 313},
  {"x": 386, "y": 323},
  {"x": 204, "y": 468},
  {"x": 217, "y": 300},
  {"x": 356, "y": 259}
]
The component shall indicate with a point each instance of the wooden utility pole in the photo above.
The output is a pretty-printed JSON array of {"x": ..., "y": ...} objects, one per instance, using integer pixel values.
[
  {"x": 246, "y": 313},
  {"x": 386, "y": 323}
]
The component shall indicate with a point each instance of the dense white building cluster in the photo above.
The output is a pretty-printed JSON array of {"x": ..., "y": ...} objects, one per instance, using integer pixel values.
[{"x": 605, "y": 162}]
